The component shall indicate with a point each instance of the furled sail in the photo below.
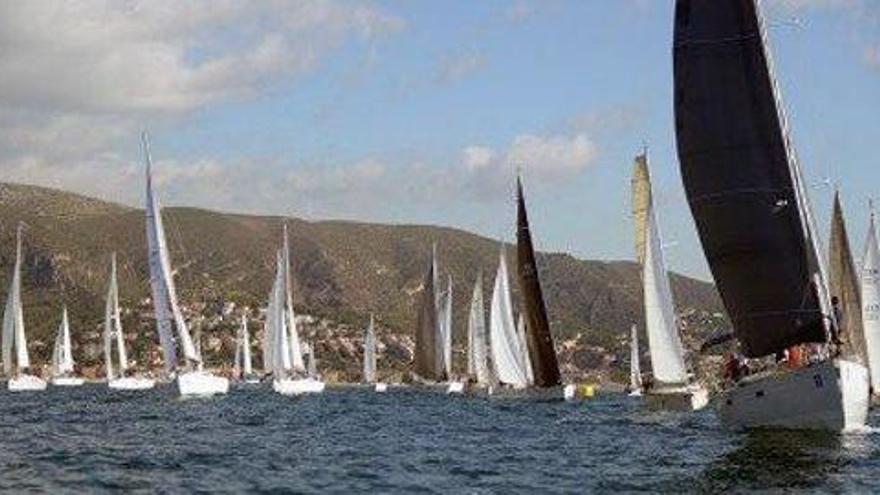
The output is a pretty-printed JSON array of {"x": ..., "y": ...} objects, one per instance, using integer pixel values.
[
  {"x": 427, "y": 364},
  {"x": 843, "y": 286},
  {"x": 742, "y": 180},
  {"x": 524, "y": 350},
  {"x": 871, "y": 303},
  {"x": 503, "y": 339},
  {"x": 635, "y": 370},
  {"x": 370, "y": 353},
  {"x": 62, "y": 358},
  {"x": 664, "y": 343},
  {"x": 641, "y": 197},
  {"x": 113, "y": 326},
  {"x": 13, "y": 319},
  {"x": 161, "y": 279},
  {"x": 540, "y": 342},
  {"x": 478, "y": 356}
]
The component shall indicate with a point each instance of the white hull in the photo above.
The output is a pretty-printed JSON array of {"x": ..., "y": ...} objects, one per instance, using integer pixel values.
[
  {"x": 131, "y": 383},
  {"x": 381, "y": 387},
  {"x": 201, "y": 384},
  {"x": 688, "y": 398},
  {"x": 298, "y": 387},
  {"x": 832, "y": 395},
  {"x": 67, "y": 381},
  {"x": 635, "y": 393},
  {"x": 455, "y": 388},
  {"x": 26, "y": 383},
  {"x": 569, "y": 391}
]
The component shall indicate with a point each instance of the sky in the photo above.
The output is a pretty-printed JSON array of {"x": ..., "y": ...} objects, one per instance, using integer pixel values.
[{"x": 404, "y": 111}]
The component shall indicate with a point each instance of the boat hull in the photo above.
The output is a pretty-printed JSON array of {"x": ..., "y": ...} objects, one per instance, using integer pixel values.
[
  {"x": 131, "y": 383},
  {"x": 457, "y": 388},
  {"x": 831, "y": 395},
  {"x": 298, "y": 387},
  {"x": 67, "y": 381},
  {"x": 689, "y": 398},
  {"x": 201, "y": 384},
  {"x": 381, "y": 387},
  {"x": 26, "y": 383}
]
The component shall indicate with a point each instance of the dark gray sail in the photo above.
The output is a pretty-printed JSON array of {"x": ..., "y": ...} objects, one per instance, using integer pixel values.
[
  {"x": 539, "y": 341},
  {"x": 742, "y": 181},
  {"x": 843, "y": 284},
  {"x": 425, "y": 364}
]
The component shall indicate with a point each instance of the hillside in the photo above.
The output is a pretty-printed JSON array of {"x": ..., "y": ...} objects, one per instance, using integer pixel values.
[{"x": 342, "y": 272}]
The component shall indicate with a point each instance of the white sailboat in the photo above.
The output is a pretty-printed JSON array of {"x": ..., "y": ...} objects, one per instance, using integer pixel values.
[
  {"x": 871, "y": 303},
  {"x": 478, "y": 372},
  {"x": 17, "y": 368},
  {"x": 504, "y": 342},
  {"x": 673, "y": 387},
  {"x": 243, "y": 369},
  {"x": 192, "y": 380},
  {"x": 746, "y": 191},
  {"x": 635, "y": 371},
  {"x": 444, "y": 319},
  {"x": 117, "y": 369},
  {"x": 370, "y": 358},
  {"x": 288, "y": 367},
  {"x": 62, "y": 356}
]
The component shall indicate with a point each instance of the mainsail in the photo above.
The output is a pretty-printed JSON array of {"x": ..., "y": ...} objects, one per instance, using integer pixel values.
[
  {"x": 871, "y": 303},
  {"x": 370, "y": 353},
  {"x": 742, "y": 178},
  {"x": 243, "y": 366},
  {"x": 641, "y": 197},
  {"x": 478, "y": 356},
  {"x": 541, "y": 352},
  {"x": 444, "y": 319},
  {"x": 296, "y": 355},
  {"x": 427, "y": 364},
  {"x": 635, "y": 370},
  {"x": 524, "y": 350},
  {"x": 843, "y": 284},
  {"x": 503, "y": 339},
  {"x": 664, "y": 343},
  {"x": 62, "y": 357},
  {"x": 161, "y": 279},
  {"x": 113, "y": 327},
  {"x": 13, "y": 319}
]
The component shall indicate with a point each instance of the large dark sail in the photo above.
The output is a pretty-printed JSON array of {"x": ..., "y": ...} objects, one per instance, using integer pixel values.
[
  {"x": 542, "y": 354},
  {"x": 843, "y": 285},
  {"x": 742, "y": 182},
  {"x": 426, "y": 350}
]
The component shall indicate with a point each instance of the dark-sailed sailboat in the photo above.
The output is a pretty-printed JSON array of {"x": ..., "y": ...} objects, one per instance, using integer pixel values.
[
  {"x": 539, "y": 341},
  {"x": 747, "y": 197},
  {"x": 428, "y": 363}
]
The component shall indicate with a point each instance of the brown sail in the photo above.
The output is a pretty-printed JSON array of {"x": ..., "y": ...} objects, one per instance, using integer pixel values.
[
  {"x": 641, "y": 198},
  {"x": 843, "y": 284},
  {"x": 426, "y": 345},
  {"x": 542, "y": 353}
]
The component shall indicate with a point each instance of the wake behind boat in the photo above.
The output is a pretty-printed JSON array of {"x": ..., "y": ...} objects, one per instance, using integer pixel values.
[{"x": 747, "y": 195}]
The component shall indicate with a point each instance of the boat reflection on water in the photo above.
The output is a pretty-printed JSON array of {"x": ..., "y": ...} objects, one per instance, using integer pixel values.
[{"x": 789, "y": 459}]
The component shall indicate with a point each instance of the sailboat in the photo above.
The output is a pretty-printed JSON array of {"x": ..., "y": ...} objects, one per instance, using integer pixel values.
[
  {"x": 544, "y": 375},
  {"x": 243, "y": 369},
  {"x": 479, "y": 376},
  {"x": 429, "y": 367},
  {"x": 116, "y": 369},
  {"x": 14, "y": 336},
  {"x": 524, "y": 350},
  {"x": 504, "y": 344},
  {"x": 62, "y": 356},
  {"x": 635, "y": 371},
  {"x": 370, "y": 358},
  {"x": 747, "y": 195},
  {"x": 672, "y": 387},
  {"x": 290, "y": 376},
  {"x": 192, "y": 379},
  {"x": 871, "y": 303}
]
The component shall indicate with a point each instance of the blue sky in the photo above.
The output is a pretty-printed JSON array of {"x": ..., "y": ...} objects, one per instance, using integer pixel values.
[{"x": 412, "y": 112}]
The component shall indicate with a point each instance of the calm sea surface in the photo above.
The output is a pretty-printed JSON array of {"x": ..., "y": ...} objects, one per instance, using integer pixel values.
[{"x": 89, "y": 439}]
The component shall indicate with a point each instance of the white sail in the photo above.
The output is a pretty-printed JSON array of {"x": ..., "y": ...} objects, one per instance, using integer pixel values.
[
  {"x": 370, "y": 353},
  {"x": 13, "y": 319},
  {"x": 161, "y": 279},
  {"x": 664, "y": 343},
  {"x": 313, "y": 361},
  {"x": 296, "y": 355},
  {"x": 440, "y": 350},
  {"x": 277, "y": 324},
  {"x": 113, "y": 327},
  {"x": 635, "y": 372},
  {"x": 62, "y": 357},
  {"x": 526, "y": 362},
  {"x": 247, "y": 363},
  {"x": 871, "y": 304},
  {"x": 502, "y": 333},
  {"x": 444, "y": 320},
  {"x": 478, "y": 356}
]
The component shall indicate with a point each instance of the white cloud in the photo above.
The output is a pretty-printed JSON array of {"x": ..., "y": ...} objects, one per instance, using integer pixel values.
[{"x": 457, "y": 66}]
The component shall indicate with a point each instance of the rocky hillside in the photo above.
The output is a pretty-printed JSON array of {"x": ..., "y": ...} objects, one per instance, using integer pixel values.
[{"x": 343, "y": 271}]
